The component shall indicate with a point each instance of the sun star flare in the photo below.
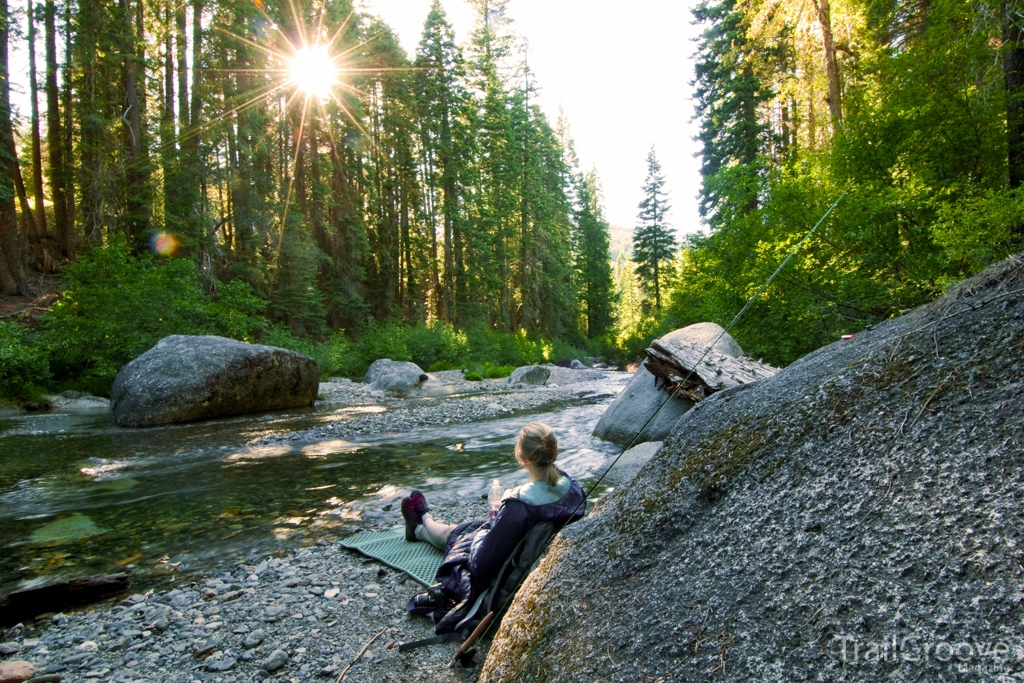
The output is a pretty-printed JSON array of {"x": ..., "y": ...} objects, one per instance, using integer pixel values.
[{"x": 313, "y": 71}]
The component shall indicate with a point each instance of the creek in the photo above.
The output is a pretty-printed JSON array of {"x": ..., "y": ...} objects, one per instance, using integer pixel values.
[{"x": 79, "y": 496}]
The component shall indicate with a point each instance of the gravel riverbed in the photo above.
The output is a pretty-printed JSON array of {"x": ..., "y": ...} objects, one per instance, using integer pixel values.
[
  {"x": 293, "y": 615},
  {"x": 446, "y": 398}
]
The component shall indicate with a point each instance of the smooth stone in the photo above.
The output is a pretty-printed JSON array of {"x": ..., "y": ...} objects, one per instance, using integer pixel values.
[
  {"x": 577, "y": 365},
  {"x": 222, "y": 664},
  {"x": 253, "y": 639},
  {"x": 16, "y": 671},
  {"x": 276, "y": 660}
]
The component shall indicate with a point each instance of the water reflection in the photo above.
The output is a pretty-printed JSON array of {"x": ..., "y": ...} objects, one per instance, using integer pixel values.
[{"x": 80, "y": 496}]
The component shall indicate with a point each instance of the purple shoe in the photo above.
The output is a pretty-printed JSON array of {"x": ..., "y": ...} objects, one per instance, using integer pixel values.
[{"x": 414, "y": 506}]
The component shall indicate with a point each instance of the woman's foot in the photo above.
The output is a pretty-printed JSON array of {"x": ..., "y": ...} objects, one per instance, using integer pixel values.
[{"x": 414, "y": 506}]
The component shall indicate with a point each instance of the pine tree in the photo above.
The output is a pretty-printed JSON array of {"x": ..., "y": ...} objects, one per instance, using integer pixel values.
[
  {"x": 653, "y": 242},
  {"x": 446, "y": 143},
  {"x": 593, "y": 266},
  {"x": 728, "y": 94}
]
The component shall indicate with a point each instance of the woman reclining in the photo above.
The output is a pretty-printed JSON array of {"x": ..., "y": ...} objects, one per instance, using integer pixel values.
[{"x": 475, "y": 551}]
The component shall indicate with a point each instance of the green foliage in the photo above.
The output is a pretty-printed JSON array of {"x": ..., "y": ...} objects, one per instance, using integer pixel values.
[
  {"x": 976, "y": 231},
  {"x": 23, "y": 367},
  {"x": 335, "y": 356},
  {"x": 919, "y": 136},
  {"x": 115, "y": 306},
  {"x": 473, "y": 376},
  {"x": 498, "y": 371}
]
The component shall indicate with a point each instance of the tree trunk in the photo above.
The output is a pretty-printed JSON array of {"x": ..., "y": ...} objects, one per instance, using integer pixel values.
[
  {"x": 181, "y": 44},
  {"x": 27, "y": 223},
  {"x": 39, "y": 215},
  {"x": 1013, "y": 77},
  {"x": 834, "y": 98},
  {"x": 11, "y": 272},
  {"x": 25, "y": 604},
  {"x": 700, "y": 370},
  {"x": 138, "y": 190},
  {"x": 54, "y": 137},
  {"x": 197, "y": 72},
  {"x": 68, "y": 160}
]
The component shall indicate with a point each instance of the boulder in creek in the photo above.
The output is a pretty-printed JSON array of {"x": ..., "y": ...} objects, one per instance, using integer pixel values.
[
  {"x": 864, "y": 499},
  {"x": 396, "y": 378},
  {"x": 185, "y": 379},
  {"x": 646, "y": 394},
  {"x": 535, "y": 375},
  {"x": 577, "y": 364}
]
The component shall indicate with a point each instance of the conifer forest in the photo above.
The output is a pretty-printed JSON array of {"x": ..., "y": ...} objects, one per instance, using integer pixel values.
[{"x": 285, "y": 172}]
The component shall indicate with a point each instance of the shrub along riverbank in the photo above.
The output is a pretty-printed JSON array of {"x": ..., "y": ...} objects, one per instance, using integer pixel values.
[{"x": 114, "y": 306}]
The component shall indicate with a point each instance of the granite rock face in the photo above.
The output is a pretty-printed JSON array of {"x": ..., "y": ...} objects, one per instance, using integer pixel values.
[
  {"x": 188, "y": 378},
  {"x": 855, "y": 517},
  {"x": 642, "y": 398}
]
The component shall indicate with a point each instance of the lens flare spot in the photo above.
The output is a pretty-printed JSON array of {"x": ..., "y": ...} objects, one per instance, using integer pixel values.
[
  {"x": 164, "y": 244},
  {"x": 313, "y": 71}
]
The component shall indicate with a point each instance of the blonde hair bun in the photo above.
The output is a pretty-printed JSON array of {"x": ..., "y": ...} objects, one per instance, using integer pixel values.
[{"x": 537, "y": 445}]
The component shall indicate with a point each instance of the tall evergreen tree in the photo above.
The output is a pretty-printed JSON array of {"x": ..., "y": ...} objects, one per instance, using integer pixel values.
[
  {"x": 593, "y": 265},
  {"x": 12, "y": 278},
  {"x": 446, "y": 141},
  {"x": 653, "y": 241},
  {"x": 728, "y": 94}
]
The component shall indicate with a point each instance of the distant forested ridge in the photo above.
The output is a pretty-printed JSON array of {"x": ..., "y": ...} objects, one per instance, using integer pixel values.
[{"x": 916, "y": 106}]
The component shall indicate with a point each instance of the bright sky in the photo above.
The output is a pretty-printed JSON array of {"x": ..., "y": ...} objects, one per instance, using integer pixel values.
[{"x": 622, "y": 74}]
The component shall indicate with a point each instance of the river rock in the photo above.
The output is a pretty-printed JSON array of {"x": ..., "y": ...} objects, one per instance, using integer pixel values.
[
  {"x": 396, "y": 378},
  {"x": 220, "y": 663},
  {"x": 530, "y": 374},
  {"x": 16, "y": 671},
  {"x": 643, "y": 398},
  {"x": 638, "y": 402},
  {"x": 577, "y": 364},
  {"x": 253, "y": 639},
  {"x": 274, "y": 661},
  {"x": 185, "y": 378}
]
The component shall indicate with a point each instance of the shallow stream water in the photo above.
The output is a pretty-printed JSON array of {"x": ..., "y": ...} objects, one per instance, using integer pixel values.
[{"x": 79, "y": 496}]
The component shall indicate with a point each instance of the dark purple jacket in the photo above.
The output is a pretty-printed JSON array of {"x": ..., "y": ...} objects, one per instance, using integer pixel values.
[{"x": 476, "y": 550}]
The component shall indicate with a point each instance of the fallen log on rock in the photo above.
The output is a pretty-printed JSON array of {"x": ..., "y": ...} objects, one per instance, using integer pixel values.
[
  {"x": 689, "y": 373},
  {"x": 25, "y": 604}
]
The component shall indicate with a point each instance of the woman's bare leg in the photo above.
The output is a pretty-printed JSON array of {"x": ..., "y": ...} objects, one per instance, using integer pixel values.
[{"x": 433, "y": 532}]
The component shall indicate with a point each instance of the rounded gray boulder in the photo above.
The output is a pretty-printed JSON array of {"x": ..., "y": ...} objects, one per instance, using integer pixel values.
[
  {"x": 536, "y": 375},
  {"x": 642, "y": 398},
  {"x": 187, "y": 378},
  {"x": 397, "y": 378}
]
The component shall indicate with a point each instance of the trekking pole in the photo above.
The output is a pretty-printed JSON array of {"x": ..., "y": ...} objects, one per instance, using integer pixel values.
[{"x": 477, "y": 632}]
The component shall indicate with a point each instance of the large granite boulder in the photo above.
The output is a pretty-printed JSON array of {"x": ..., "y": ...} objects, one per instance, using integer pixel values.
[
  {"x": 536, "y": 375},
  {"x": 396, "y": 378},
  {"x": 855, "y": 517},
  {"x": 185, "y": 379},
  {"x": 642, "y": 398}
]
